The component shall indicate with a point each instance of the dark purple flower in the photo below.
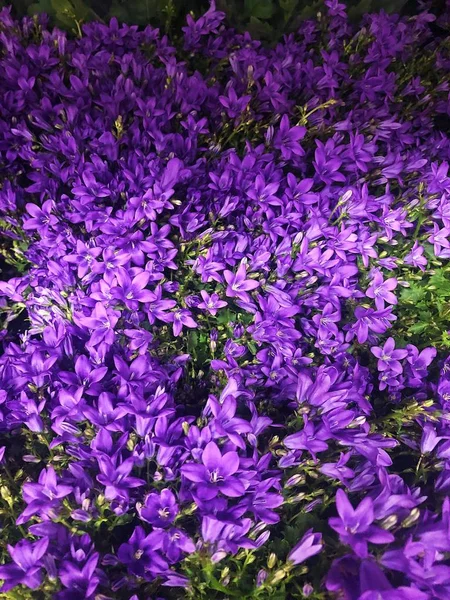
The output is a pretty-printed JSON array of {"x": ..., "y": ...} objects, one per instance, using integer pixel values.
[
  {"x": 388, "y": 357},
  {"x": 381, "y": 290},
  {"x": 43, "y": 496},
  {"x": 176, "y": 543},
  {"x": 287, "y": 139},
  {"x": 355, "y": 527},
  {"x": 116, "y": 478},
  {"x": 142, "y": 554},
  {"x": 217, "y": 473},
  {"x": 131, "y": 291},
  {"x": 415, "y": 257},
  {"x": 80, "y": 581},
  {"x": 238, "y": 285},
  {"x": 159, "y": 510},
  {"x": 309, "y": 545},
  {"x": 211, "y": 303},
  {"x": 179, "y": 318},
  {"x": 26, "y": 568}
]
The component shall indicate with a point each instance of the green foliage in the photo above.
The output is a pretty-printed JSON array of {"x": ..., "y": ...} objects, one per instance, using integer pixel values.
[
  {"x": 264, "y": 19},
  {"x": 424, "y": 308}
]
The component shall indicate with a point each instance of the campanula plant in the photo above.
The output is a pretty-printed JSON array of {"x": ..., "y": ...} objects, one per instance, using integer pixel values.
[{"x": 225, "y": 318}]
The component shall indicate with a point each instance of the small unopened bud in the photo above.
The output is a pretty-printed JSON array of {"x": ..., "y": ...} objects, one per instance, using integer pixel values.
[
  {"x": 6, "y": 494},
  {"x": 218, "y": 556},
  {"x": 345, "y": 197},
  {"x": 272, "y": 560},
  {"x": 412, "y": 518},
  {"x": 294, "y": 480},
  {"x": 261, "y": 577},
  {"x": 278, "y": 576},
  {"x": 297, "y": 498},
  {"x": 389, "y": 522}
]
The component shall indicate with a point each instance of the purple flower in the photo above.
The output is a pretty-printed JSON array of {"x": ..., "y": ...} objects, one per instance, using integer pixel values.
[
  {"x": 26, "y": 566},
  {"x": 85, "y": 375},
  {"x": 415, "y": 257},
  {"x": 211, "y": 303},
  {"x": 216, "y": 474},
  {"x": 159, "y": 510},
  {"x": 101, "y": 323},
  {"x": 131, "y": 291},
  {"x": 388, "y": 357},
  {"x": 339, "y": 470},
  {"x": 179, "y": 318},
  {"x": 142, "y": 554},
  {"x": 355, "y": 527},
  {"x": 309, "y": 545},
  {"x": 80, "y": 581},
  {"x": 439, "y": 239},
  {"x": 176, "y": 543},
  {"x": 41, "y": 218},
  {"x": 430, "y": 439},
  {"x": 117, "y": 479},
  {"x": 84, "y": 258},
  {"x": 238, "y": 285},
  {"x": 381, "y": 290},
  {"x": 367, "y": 320},
  {"x": 309, "y": 438},
  {"x": 43, "y": 496},
  {"x": 287, "y": 139},
  {"x": 234, "y": 105}
]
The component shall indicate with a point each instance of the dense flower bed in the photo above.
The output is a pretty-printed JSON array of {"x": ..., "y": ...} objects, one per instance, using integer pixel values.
[{"x": 225, "y": 317}]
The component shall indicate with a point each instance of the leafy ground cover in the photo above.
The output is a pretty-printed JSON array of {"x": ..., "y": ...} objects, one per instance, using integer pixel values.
[
  {"x": 264, "y": 19},
  {"x": 225, "y": 311}
]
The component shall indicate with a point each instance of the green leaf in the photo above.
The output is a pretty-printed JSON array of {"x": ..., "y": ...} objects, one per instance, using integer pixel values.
[
  {"x": 69, "y": 12},
  {"x": 260, "y": 9},
  {"x": 393, "y": 6},
  {"x": 310, "y": 11},
  {"x": 445, "y": 340},
  {"x": 418, "y": 327},
  {"x": 252, "y": 347},
  {"x": 441, "y": 283},
  {"x": 192, "y": 341},
  {"x": 216, "y": 585},
  {"x": 413, "y": 294},
  {"x": 288, "y": 7},
  {"x": 225, "y": 316},
  {"x": 356, "y": 12},
  {"x": 43, "y": 6}
]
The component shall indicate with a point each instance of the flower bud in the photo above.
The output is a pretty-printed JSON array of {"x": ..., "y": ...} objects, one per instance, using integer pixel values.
[
  {"x": 412, "y": 518},
  {"x": 261, "y": 577},
  {"x": 294, "y": 480},
  {"x": 389, "y": 522},
  {"x": 6, "y": 494},
  {"x": 272, "y": 560},
  {"x": 278, "y": 576}
]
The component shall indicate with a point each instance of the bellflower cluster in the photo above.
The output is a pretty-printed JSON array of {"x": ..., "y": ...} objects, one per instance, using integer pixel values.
[{"x": 224, "y": 310}]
